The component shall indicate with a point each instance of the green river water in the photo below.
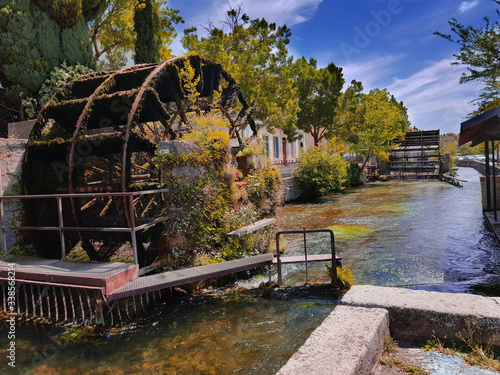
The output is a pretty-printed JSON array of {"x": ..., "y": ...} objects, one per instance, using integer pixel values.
[{"x": 422, "y": 235}]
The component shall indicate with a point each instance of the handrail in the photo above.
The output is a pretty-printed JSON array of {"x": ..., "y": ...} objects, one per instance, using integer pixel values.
[
  {"x": 132, "y": 228},
  {"x": 304, "y": 232}
]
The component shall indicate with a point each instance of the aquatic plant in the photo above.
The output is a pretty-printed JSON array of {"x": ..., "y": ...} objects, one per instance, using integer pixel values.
[{"x": 345, "y": 278}]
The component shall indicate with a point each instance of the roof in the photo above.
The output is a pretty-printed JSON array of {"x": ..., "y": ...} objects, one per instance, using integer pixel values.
[{"x": 485, "y": 127}]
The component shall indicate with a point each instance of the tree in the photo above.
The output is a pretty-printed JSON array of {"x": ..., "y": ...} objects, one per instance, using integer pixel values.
[
  {"x": 254, "y": 53},
  {"x": 318, "y": 90},
  {"x": 381, "y": 123},
  {"x": 320, "y": 171},
  {"x": 34, "y": 40},
  {"x": 112, "y": 33},
  {"x": 480, "y": 53},
  {"x": 147, "y": 31},
  {"x": 405, "y": 123},
  {"x": 349, "y": 113}
]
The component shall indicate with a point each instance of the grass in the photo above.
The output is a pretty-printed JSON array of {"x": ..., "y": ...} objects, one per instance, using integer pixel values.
[
  {"x": 388, "y": 359},
  {"x": 471, "y": 347}
]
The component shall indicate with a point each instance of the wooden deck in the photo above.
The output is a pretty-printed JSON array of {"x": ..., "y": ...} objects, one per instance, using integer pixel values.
[
  {"x": 120, "y": 280},
  {"x": 190, "y": 275},
  {"x": 89, "y": 275}
]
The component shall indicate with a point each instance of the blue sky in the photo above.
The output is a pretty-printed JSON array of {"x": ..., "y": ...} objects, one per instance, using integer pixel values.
[{"x": 382, "y": 43}]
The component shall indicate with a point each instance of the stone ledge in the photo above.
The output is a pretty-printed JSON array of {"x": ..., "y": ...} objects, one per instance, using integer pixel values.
[
  {"x": 349, "y": 341},
  {"x": 417, "y": 315}
]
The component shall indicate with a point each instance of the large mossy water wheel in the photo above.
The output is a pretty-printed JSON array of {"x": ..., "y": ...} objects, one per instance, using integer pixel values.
[{"x": 100, "y": 133}]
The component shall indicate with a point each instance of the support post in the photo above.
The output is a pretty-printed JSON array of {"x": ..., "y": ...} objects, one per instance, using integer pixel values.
[
  {"x": 278, "y": 257},
  {"x": 494, "y": 179},
  {"x": 334, "y": 259},
  {"x": 132, "y": 227},
  {"x": 61, "y": 228},
  {"x": 305, "y": 255},
  {"x": 487, "y": 175}
]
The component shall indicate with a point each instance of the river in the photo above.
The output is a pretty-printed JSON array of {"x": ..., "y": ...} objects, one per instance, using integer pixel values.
[{"x": 422, "y": 235}]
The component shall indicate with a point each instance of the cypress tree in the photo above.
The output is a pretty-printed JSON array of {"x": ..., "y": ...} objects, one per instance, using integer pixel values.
[
  {"x": 147, "y": 28},
  {"x": 34, "y": 41}
]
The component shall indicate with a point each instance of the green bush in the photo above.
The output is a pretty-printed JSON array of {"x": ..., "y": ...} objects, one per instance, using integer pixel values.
[
  {"x": 320, "y": 172},
  {"x": 264, "y": 188},
  {"x": 354, "y": 175}
]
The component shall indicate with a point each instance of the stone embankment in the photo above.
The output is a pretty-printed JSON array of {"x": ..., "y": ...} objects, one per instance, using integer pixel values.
[
  {"x": 351, "y": 338},
  {"x": 11, "y": 160}
]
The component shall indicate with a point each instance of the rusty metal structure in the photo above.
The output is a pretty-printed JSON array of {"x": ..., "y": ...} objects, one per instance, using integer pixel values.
[
  {"x": 99, "y": 134},
  {"x": 415, "y": 157}
]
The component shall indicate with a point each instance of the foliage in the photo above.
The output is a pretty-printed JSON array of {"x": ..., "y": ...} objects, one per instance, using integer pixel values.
[
  {"x": 58, "y": 78},
  {"x": 320, "y": 172},
  {"x": 345, "y": 278},
  {"x": 203, "y": 208},
  {"x": 405, "y": 122},
  {"x": 254, "y": 53},
  {"x": 255, "y": 147},
  {"x": 34, "y": 41},
  {"x": 147, "y": 31},
  {"x": 480, "y": 53},
  {"x": 113, "y": 36},
  {"x": 264, "y": 188},
  {"x": 381, "y": 123},
  {"x": 349, "y": 112},
  {"x": 318, "y": 91},
  {"x": 354, "y": 175}
]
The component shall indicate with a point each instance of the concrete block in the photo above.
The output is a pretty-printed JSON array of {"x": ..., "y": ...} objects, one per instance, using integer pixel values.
[
  {"x": 349, "y": 341},
  {"x": 417, "y": 314},
  {"x": 20, "y": 129}
]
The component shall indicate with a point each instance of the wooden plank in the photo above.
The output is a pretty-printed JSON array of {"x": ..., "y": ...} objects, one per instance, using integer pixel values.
[
  {"x": 250, "y": 228},
  {"x": 189, "y": 275},
  {"x": 310, "y": 258}
]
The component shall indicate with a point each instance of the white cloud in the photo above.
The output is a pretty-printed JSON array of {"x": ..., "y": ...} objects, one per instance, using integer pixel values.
[
  {"x": 466, "y": 5},
  {"x": 434, "y": 98},
  {"x": 289, "y": 12},
  {"x": 370, "y": 71}
]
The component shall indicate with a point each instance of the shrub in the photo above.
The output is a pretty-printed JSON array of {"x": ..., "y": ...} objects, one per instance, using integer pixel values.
[
  {"x": 264, "y": 188},
  {"x": 354, "y": 175},
  {"x": 320, "y": 172}
]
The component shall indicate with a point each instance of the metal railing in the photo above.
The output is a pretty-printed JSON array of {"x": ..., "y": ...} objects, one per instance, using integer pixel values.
[
  {"x": 131, "y": 228},
  {"x": 304, "y": 232}
]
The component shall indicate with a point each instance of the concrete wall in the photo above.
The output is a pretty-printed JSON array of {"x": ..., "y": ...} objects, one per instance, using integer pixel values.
[
  {"x": 11, "y": 159},
  {"x": 351, "y": 338},
  {"x": 290, "y": 189}
]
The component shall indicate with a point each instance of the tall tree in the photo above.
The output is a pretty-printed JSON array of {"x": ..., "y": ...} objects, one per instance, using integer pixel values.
[
  {"x": 147, "y": 30},
  {"x": 112, "y": 32},
  {"x": 36, "y": 37},
  {"x": 254, "y": 52},
  {"x": 319, "y": 91},
  {"x": 349, "y": 112},
  {"x": 480, "y": 53},
  {"x": 381, "y": 123},
  {"x": 405, "y": 122}
]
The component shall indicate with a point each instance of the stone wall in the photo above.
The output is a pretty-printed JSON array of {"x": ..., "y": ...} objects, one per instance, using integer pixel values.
[
  {"x": 290, "y": 189},
  {"x": 11, "y": 159}
]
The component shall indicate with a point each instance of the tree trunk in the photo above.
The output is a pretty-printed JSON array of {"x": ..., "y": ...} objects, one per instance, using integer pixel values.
[{"x": 363, "y": 174}]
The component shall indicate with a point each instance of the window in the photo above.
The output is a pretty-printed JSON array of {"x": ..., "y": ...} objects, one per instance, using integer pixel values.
[
  {"x": 276, "y": 145},
  {"x": 266, "y": 143},
  {"x": 292, "y": 149}
]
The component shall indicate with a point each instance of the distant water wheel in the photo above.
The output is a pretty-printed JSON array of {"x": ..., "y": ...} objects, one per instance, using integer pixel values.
[{"x": 100, "y": 134}]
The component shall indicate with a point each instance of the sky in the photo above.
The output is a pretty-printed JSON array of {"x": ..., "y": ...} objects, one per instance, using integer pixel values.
[{"x": 382, "y": 43}]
